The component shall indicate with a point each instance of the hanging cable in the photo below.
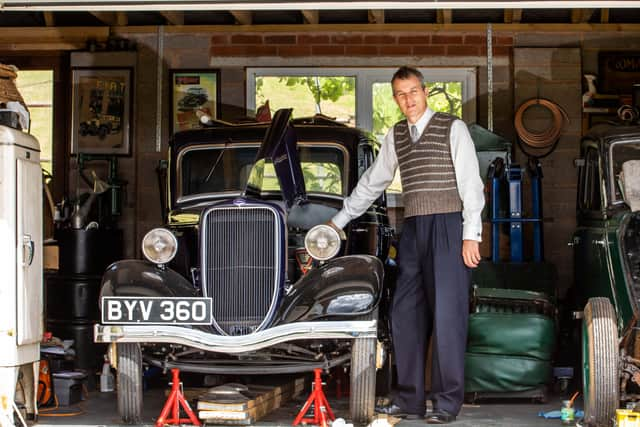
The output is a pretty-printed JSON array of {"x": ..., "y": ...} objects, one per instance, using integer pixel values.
[{"x": 545, "y": 140}]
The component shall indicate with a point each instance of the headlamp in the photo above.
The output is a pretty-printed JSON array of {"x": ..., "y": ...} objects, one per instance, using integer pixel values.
[{"x": 159, "y": 246}]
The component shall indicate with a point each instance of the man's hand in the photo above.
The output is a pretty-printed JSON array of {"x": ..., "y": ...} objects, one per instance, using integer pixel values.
[
  {"x": 471, "y": 253},
  {"x": 340, "y": 231}
]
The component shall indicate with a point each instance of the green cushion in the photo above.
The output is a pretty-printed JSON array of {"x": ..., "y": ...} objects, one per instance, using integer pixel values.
[
  {"x": 515, "y": 334},
  {"x": 532, "y": 276},
  {"x": 495, "y": 373}
]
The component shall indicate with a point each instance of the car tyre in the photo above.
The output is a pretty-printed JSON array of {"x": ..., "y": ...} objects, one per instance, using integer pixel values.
[
  {"x": 130, "y": 383},
  {"x": 363, "y": 377},
  {"x": 600, "y": 362}
]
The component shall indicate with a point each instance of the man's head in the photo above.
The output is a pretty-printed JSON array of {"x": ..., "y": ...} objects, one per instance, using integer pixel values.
[{"x": 410, "y": 92}]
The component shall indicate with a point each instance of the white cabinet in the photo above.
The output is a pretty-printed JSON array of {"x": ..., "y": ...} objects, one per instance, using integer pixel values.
[{"x": 21, "y": 305}]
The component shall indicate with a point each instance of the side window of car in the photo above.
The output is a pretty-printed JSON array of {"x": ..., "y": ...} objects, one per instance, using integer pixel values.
[{"x": 365, "y": 157}]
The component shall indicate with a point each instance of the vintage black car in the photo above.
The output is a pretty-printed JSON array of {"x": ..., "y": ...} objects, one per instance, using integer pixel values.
[
  {"x": 607, "y": 269},
  {"x": 245, "y": 278}
]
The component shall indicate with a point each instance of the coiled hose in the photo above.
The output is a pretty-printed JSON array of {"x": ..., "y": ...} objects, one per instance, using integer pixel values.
[{"x": 545, "y": 141}]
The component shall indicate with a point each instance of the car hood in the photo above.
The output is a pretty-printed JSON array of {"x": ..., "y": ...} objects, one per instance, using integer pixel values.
[{"x": 280, "y": 146}]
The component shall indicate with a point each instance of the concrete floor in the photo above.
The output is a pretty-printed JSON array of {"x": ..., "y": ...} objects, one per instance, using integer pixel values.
[{"x": 100, "y": 409}]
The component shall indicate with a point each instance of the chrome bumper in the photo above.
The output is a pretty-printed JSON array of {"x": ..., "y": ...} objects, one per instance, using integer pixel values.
[{"x": 235, "y": 344}]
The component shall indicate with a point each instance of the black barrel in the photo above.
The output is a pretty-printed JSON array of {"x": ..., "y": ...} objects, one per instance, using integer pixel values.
[
  {"x": 72, "y": 296},
  {"x": 88, "y": 251},
  {"x": 72, "y": 310}
]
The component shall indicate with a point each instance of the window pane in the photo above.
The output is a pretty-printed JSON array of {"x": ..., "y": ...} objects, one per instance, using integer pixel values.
[
  {"x": 310, "y": 95},
  {"x": 444, "y": 97},
  {"x": 36, "y": 88},
  {"x": 322, "y": 168}
]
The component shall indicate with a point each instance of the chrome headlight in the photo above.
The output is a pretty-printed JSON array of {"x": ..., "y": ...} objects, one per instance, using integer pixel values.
[
  {"x": 159, "y": 246},
  {"x": 322, "y": 242}
]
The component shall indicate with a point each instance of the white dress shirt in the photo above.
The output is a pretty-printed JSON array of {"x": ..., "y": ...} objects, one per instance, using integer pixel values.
[{"x": 378, "y": 177}]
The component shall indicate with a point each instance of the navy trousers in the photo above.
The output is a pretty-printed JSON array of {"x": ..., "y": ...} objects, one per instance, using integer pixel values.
[{"x": 431, "y": 298}]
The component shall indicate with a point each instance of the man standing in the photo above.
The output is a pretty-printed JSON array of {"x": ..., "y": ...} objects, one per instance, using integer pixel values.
[{"x": 443, "y": 198}]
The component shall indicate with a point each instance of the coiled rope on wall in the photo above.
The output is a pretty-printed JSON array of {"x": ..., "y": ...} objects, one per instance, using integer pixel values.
[{"x": 545, "y": 141}]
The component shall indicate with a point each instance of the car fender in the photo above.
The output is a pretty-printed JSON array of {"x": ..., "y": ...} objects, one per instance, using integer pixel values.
[
  {"x": 144, "y": 279},
  {"x": 344, "y": 287}
]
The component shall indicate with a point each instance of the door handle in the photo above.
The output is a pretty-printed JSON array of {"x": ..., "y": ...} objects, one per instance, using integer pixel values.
[
  {"x": 29, "y": 247},
  {"x": 599, "y": 242}
]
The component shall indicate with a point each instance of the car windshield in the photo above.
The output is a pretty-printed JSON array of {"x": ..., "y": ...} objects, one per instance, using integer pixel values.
[
  {"x": 216, "y": 169},
  {"x": 620, "y": 152}
]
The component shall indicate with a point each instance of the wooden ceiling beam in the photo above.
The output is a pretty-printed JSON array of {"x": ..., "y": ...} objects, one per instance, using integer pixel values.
[
  {"x": 49, "y": 20},
  {"x": 376, "y": 16},
  {"x": 604, "y": 16},
  {"x": 579, "y": 16},
  {"x": 515, "y": 16},
  {"x": 242, "y": 17},
  {"x": 173, "y": 18},
  {"x": 311, "y": 16},
  {"x": 444, "y": 16},
  {"x": 112, "y": 19}
]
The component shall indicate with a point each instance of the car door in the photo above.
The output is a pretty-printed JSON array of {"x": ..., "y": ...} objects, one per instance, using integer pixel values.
[{"x": 592, "y": 276}]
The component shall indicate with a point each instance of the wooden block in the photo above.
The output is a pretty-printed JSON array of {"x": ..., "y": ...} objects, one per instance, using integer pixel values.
[
  {"x": 50, "y": 257},
  {"x": 261, "y": 400}
]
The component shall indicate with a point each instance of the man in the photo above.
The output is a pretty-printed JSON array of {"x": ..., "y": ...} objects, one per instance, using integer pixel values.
[{"x": 443, "y": 198}]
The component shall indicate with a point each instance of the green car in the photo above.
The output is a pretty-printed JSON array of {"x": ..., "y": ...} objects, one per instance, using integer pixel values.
[{"x": 607, "y": 269}]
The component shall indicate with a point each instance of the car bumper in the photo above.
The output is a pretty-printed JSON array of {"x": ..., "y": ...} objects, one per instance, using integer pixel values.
[{"x": 347, "y": 329}]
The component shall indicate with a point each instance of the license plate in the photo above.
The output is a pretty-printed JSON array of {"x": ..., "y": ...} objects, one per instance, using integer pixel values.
[{"x": 156, "y": 310}]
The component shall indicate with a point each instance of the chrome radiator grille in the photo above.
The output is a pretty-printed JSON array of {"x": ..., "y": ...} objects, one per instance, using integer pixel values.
[{"x": 241, "y": 258}]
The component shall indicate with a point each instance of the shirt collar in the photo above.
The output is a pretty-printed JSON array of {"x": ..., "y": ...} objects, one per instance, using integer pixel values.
[{"x": 424, "y": 120}]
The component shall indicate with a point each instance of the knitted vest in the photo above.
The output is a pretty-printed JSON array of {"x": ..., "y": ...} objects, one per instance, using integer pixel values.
[{"x": 426, "y": 168}]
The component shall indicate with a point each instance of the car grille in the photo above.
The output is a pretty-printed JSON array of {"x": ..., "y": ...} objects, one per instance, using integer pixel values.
[{"x": 241, "y": 261}]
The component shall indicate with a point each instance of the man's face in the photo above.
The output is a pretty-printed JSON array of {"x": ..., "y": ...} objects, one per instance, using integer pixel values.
[{"x": 410, "y": 97}]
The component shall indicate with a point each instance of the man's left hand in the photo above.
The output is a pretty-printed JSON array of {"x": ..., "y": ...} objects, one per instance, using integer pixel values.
[{"x": 471, "y": 253}]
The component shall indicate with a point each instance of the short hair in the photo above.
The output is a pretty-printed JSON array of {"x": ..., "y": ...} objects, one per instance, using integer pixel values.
[{"x": 406, "y": 72}]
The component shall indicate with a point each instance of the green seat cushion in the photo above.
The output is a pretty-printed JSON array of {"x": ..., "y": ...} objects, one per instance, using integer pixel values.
[
  {"x": 514, "y": 334},
  {"x": 497, "y": 373}
]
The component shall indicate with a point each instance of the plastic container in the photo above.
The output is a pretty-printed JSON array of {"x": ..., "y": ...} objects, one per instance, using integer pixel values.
[
  {"x": 627, "y": 418},
  {"x": 68, "y": 387},
  {"x": 567, "y": 413},
  {"x": 106, "y": 378}
]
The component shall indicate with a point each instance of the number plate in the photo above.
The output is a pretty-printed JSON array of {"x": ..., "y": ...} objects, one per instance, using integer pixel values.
[{"x": 156, "y": 310}]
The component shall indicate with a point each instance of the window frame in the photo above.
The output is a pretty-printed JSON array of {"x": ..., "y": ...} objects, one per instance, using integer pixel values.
[{"x": 365, "y": 78}]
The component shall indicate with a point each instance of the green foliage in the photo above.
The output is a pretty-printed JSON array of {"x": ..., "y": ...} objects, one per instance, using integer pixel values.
[
  {"x": 293, "y": 92},
  {"x": 323, "y": 88},
  {"x": 386, "y": 112},
  {"x": 36, "y": 88}
]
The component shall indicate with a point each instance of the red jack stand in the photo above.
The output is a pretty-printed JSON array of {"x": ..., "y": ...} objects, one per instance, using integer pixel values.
[
  {"x": 320, "y": 403},
  {"x": 175, "y": 399}
]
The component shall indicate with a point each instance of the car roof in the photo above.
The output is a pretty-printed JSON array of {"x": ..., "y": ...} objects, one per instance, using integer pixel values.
[{"x": 608, "y": 133}]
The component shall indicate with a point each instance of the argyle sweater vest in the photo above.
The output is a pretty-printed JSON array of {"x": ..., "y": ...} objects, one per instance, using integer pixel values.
[{"x": 426, "y": 168}]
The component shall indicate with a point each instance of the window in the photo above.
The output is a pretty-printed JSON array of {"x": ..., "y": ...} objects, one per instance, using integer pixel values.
[
  {"x": 620, "y": 152},
  {"x": 36, "y": 88},
  {"x": 366, "y": 90}
]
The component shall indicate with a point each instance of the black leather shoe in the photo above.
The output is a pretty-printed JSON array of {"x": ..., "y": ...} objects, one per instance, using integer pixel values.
[
  {"x": 396, "y": 411},
  {"x": 440, "y": 416}
]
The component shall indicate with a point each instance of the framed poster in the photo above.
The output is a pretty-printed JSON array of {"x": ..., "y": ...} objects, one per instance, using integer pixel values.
[
  {"x": 193, "y": 93},
  {"x": 101, "y": 110},
  {"x": 618, "y": 71}
]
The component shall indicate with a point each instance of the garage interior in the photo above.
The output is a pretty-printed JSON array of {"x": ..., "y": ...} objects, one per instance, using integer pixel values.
[{"x": 507, "y": 55}]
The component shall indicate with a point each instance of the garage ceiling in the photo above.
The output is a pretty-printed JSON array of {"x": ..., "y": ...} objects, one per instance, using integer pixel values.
[{"x": 49, "y": 13}]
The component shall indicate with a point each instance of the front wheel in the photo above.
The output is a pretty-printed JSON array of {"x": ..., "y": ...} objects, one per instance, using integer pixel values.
[
  {"x": 600, "y": 362},
  {"x": 130, "y": 383},
  {"x": 363, "y": 377}
]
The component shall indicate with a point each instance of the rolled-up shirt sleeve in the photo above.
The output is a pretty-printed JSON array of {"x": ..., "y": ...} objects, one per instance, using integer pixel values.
[
  {"x": 470, "y": 186},
  {"x": 371, "y": 185}
]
